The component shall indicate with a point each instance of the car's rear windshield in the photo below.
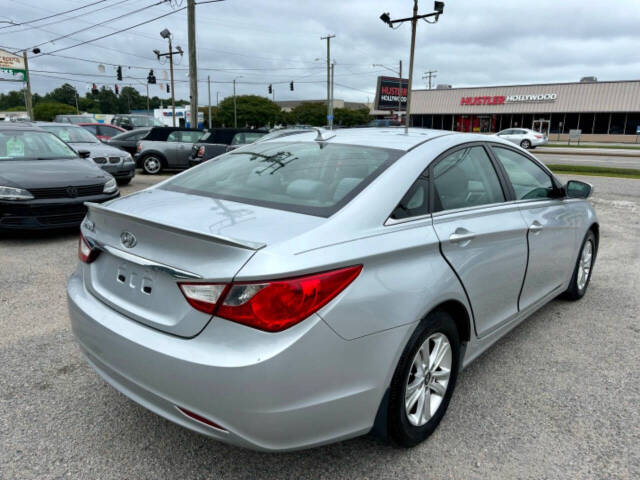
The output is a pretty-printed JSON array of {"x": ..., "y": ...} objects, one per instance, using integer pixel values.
[
  {"x": 71, "y": 133},
  {"x": 306, "y": 177}
]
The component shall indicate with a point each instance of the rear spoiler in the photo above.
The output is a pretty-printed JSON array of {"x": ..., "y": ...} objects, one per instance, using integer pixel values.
[{"x": 234, "y": 242}]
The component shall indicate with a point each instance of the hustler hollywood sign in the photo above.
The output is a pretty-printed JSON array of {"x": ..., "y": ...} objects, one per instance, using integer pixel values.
[{"x": 503, "y": 99}]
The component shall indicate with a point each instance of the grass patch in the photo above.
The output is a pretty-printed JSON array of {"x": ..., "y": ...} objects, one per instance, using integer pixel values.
[
  {"x": 595, "y": 171},
  {"x": 609, "y": 147}
]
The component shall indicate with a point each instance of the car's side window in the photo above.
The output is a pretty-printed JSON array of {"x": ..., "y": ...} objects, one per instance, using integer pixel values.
[
  {"x": 415, "y": 202},
  {"x": 175, "y": 136},
  {"x": 465, "y": 178},
  {"x": 528, "y": 179}
]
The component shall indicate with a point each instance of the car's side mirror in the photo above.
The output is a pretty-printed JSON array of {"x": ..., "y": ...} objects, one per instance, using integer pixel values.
[
  {"x": 578, "y": 189},
  {"x": 84, "y": 153}
]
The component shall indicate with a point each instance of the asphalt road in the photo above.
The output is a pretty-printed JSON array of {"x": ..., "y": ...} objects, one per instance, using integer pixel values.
[
  {"x": 590, "y": 160},
  {"x": 558, "y": 397}
]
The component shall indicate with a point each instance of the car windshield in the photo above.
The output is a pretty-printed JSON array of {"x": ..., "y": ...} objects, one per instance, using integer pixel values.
[
  {"x": 80, "y": 119},
  {"x": 32, "y": 145},
  {"x": 71, "y": 134},
  {"x": 305, "y": 177}
]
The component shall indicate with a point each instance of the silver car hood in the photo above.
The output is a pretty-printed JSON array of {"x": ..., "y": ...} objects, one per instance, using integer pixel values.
[
  {"x": 249, "y": 224},
  {"x": 99, "y": 149}
]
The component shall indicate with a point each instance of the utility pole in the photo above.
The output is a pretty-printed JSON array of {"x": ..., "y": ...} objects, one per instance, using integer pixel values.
[
  {"x": 209, "y": 89},
  {"x": 329, "y": 99},
  {"x": 147, "y": 85},
  {"x": 400, "y": 88},
  {"x": 193, "y": 68},
  {"x": 429, "y": 75},
  {"x": 76, "y": 97},
  {"x": 438, "y": 10},
  {"x": 167, "y": 35},
  {"x": 28, "y": 82},
  {"x": 332, "y": 68},
  {"x": 235, "y": 111}
]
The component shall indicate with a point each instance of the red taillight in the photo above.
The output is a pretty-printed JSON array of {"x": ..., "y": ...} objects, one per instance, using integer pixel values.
[
  {"x": 201, "y": 419},
  {"x": 272, "y": 306},
  {"x": 200, "y": 151},
  {"x": 538, "y": 136},
  {"x": 203, "y": 296},
  {"x": 86, "y": 254},
  {"x": 139, "y": 148}
]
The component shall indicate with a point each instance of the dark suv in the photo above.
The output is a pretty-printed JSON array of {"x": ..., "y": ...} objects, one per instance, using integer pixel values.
[{"x": 221, "y": 140}]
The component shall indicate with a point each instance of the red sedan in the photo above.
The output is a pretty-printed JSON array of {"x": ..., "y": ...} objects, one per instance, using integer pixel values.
[{"x": 103, "y": 131}]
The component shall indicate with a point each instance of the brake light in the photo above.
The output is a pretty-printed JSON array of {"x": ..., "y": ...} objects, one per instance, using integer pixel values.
[
  {"x": 139, "y": 148},
  {"x": 271, "y": 306},
  {"x": 538, "y": 136},
  {"x": 86, "y": 254},
  {"x": 200, "y": 151}
]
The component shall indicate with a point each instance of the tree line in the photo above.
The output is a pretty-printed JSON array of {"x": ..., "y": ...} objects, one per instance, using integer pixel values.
[{"x": 251, "y": 110}]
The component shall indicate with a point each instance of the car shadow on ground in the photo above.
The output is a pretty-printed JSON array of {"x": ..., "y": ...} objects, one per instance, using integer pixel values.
[{"x": 39, "y": 235}]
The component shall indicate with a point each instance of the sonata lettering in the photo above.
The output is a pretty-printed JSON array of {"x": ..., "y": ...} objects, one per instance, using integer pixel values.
[{"x": 502, "y": 99}]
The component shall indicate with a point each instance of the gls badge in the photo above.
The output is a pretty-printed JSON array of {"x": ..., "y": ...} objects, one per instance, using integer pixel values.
[{"x": 128, "y": 239}]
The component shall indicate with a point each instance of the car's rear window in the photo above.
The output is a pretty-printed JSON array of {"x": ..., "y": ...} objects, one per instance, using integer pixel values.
[{"x": 305, "y": 177}]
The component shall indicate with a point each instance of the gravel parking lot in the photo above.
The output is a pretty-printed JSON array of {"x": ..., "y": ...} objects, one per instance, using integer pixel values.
[{"x": 559, "y": 397}]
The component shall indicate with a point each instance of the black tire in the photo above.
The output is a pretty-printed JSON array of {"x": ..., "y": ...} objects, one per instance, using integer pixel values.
[
  {"x": 124, "y": 181},
  {"x": 152, "y": 164},
  {"x": 575, "y": 292},
  {"x": 526, "y": 144},
  {"x": 400, "y": 429}
]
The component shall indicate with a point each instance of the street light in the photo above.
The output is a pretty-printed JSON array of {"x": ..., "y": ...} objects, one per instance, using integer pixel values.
[
  {"x": 438, "y": 8},
  {"x": 166, "y": 34}
]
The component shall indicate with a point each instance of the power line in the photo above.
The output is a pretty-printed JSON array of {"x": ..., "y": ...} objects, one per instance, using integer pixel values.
[
  {"x": 98, "y": 24},
  {"x": 116, "y": 32},
  {"x": 54, "y": 15}
]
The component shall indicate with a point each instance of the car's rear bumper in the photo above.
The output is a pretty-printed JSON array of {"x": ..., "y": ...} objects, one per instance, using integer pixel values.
[
  {"x": 299, "y": 388},
  {"x": 536, "y": 142},
  {"x": 47, "y": 214}
]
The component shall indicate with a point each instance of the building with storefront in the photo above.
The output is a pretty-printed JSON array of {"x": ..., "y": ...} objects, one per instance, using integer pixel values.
[{"x": 603, "y": 111}]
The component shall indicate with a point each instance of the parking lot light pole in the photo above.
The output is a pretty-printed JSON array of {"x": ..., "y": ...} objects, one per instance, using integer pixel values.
[
  {"x": 235, "y": 109},
  {"x": 167, "y": 35},
  {"x": 438, "y": 8}
]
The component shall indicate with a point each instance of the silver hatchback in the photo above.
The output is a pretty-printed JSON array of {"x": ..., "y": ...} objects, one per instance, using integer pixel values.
[{"x": 315, "y": 287}]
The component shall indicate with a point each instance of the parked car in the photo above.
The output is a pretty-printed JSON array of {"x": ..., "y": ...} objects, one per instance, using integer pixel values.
[
  {"x": 132, "y": 121},
  {"x": 166, "y": 147},
  {"x": 111, "y": 159},
  {"x": 220, "y": 140},
  {"x": 102, "y": 131},
  {"x": 524, "y": 137},
  {"x": 318, "y": 286},
  {"x": 128, "y": 140},
  {"x": 43, "y": 181},
  {"x": 74, "y": 119},
  {"x": 385, "y": 122}
]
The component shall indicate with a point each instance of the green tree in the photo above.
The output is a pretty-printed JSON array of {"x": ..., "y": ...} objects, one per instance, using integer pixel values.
[
  {"x": 17, "y": 108},
  {"x": 310, "y": 113},
  {"x": 253, "y": 111},
  {"x": 14, "y": 98},
  {"x": 63, "y": 94},
  {"x": 348, "y": 118},
  {"x": 48, "y": 110}
]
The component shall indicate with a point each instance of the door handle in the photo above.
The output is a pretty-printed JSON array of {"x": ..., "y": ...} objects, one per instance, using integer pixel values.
[
  {"x": 461, "y": 236},
  {"x": 536, "y": 227}
]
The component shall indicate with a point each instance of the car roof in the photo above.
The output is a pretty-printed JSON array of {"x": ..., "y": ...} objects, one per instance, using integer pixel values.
[
  {"x": 19, "y": 126},
  {"x": 56, "y": 124},
  {"x": 380, "y": 137}
]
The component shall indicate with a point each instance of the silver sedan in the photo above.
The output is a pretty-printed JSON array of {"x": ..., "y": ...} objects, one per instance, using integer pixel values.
[
  {"x": 524, "y": 137},
  {"x": 315, "y": 287}
]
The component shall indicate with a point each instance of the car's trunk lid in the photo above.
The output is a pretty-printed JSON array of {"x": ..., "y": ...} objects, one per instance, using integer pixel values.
[{"x": 178, "y": 237}]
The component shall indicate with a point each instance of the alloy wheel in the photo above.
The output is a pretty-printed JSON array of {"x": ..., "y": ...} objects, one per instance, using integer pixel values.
[
  {"x": 584, "y": 267},
  {"x": 152, "y": 165},
  {"x": 428, "y": 379}
]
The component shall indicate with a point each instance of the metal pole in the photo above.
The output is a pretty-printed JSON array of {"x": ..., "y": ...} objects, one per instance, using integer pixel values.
[
  {"x": 331, "y": 121},
  {"x": 329, "y": 100},
  {"x": 235, "y": 111},
  {"x": 400, "y": 91},
  {"x": 193, "y": 67},
  {"x": 414, "y": 21},
  {"x": 173, "y": 98},
  {"x": 147, "y": 85},
  {"x": 76, "y": 96},
  {"x": 209, "y": 88},
  {"x": 28, "y": 82}
]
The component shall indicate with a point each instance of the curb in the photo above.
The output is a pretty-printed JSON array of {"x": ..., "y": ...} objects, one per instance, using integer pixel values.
[{"x": 586, "y": 151}]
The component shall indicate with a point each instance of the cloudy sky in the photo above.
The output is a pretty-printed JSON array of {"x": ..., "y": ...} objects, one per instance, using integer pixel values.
[{"x": 264, "y": 42}]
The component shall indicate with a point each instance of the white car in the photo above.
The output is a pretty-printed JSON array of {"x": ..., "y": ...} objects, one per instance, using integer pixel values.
[{"x": 524, "y": 137}]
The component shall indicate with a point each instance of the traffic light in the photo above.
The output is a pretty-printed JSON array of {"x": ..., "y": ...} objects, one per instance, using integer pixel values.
[
  {"x": 94, "y": 89},
  {"x": 117, "y": 90},
  {"x": 270, "y": 89},
  {"x": 168, "y": 89},
  {"x": 291, "y": 86},
  {"x": 151, "y": 78},
  {"x": 119, "y": 73}
]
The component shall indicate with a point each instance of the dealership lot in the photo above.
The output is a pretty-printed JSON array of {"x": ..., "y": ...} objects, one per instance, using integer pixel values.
[{"x": 557, "y": 398}]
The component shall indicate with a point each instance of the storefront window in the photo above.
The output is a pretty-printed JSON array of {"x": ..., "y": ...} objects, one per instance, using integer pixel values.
[
  {"x": 633, "y": 121},
  {"x": 602, "y": 123},
  {"x": 586, "y": 123}
]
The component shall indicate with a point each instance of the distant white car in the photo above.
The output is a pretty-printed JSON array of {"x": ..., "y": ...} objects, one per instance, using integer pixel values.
[{"x": 524, "y": 137}]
